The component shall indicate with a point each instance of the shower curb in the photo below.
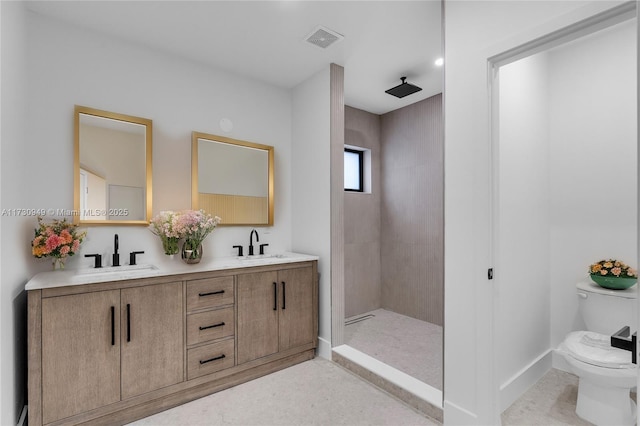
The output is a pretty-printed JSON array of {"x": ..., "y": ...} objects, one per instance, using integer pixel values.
[{"x": 424, "y": 407}]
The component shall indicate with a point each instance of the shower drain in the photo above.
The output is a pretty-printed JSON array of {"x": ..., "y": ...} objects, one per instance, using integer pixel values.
[{"x": 358, "y": 319}]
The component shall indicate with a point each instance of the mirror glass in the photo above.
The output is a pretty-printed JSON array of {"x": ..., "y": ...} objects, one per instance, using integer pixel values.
[
  {"x": 232, "y": 179},
  {"x": 112, "y": 176}
]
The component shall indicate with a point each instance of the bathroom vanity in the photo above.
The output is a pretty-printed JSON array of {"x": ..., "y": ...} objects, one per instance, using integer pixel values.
[{"x": 112, "y": 347}]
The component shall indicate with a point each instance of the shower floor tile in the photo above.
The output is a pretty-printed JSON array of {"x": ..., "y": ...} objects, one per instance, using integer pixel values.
[{"x": 407, "y": 344}]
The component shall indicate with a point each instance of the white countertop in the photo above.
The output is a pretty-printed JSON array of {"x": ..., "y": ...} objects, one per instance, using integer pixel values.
[{"x": 69, "y": 277}]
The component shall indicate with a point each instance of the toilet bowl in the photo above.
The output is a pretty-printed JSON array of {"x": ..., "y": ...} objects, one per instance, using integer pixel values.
[{"x": 606, "y": 374}]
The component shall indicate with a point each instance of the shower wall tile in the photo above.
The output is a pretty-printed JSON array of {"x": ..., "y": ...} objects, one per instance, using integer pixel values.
[
  {"x": 394, "y": 241},
  {"x": 362, "y": 278},
  {"x": 362, "y": 230},
  {"x": 411, "y": 211}
]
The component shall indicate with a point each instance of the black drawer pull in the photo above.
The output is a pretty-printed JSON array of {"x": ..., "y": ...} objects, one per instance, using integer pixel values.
[
  {"x": 212, "y": 359},
  {"x": 210, "y": 294},
  {"x": 212, "y": 326}
]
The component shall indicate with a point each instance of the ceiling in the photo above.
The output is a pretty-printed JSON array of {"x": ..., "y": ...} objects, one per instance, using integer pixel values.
[{"x": 265, "y": 40}]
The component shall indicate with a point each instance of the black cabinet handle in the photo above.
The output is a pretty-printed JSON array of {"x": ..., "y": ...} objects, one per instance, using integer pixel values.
[
  {"x": 211, "y": 326},
  {"x": 212, "y": 359},
  {"x": 212, "y": 293},
  {"x": 128, "y": 322},
  {"x": 284, "y": 295},
  {"x": 275, "y": 296},
  {"x": 113, "y": 326}
]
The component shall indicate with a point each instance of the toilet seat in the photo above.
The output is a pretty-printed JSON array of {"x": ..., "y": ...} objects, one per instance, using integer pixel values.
[{"x": 595, "y": 349}]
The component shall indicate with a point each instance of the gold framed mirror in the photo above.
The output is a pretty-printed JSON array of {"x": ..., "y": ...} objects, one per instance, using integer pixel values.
[
  {"x": 232, "y": 179},
  {"x": 112, "y": 168}
]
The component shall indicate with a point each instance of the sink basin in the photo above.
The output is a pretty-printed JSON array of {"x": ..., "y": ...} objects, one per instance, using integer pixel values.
[
  {"x": 113, "y": 273},
  {"x": 261, "y": 257},
  {"x": 109, "y": 270}
]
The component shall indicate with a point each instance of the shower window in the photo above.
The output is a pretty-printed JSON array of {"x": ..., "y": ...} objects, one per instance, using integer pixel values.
[{"x": 353, "y": 170}]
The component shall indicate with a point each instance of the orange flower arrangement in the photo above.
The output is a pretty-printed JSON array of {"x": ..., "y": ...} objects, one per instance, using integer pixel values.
[
  {"x": 58, "y": 239},
  {"x": 613, "y": 268}
]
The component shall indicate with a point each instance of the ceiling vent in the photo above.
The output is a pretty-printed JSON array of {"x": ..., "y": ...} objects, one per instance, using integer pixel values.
[{"x": 323, "y": 37}]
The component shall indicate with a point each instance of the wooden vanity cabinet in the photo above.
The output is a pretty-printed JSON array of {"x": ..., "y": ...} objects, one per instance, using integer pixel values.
[
  {"x": 210, "y": 326},
  {"x": 275, "y": 312},
  {"x": 296, "y": 314},
  {"x": 101, "y": 347},
  {"x": 80, "y": 353},
  {"x": 152, "y": 333},
  {"x": 110, "y": 353}
]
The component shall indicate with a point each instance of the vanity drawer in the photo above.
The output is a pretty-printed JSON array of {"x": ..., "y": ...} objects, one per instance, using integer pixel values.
[
  {"x": 210, "y": 325},
  {"x": 209, "y": 293},
  {"x": 210, "y": 358}
]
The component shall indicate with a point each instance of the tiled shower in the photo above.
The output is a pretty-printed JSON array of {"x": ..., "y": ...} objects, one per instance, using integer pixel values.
[{"x": 394, "y": 254}]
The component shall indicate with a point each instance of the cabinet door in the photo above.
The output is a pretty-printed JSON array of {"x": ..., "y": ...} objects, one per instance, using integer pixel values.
[
  {"x": 257, "y": 315},
  {"x": 296, "y": 307},
  {"x": 80, "y": 353},
  {"x": 152, "y": 338}
]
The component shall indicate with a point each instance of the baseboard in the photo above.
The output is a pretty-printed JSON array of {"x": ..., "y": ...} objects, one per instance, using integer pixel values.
[
  {"x": 23, "y": 416},
  {"x": 520, "y": 382},
  {"x": 456, "y": 415}
]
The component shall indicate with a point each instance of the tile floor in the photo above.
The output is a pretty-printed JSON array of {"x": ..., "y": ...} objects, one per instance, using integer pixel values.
[
  {"x": 319, "y": 392},
  {"x": 316, "y": 392},
  {"x": 407, "y": 344},
  {"x": 551, "y": 401}
]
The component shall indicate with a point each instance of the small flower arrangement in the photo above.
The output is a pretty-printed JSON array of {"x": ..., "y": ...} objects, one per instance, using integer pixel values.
[
  {"x": 191, "y": 225},
  {"x": 163, "y": 225},
  {"x": 195, "y": 225},
  {"x": 613, "y": 268},
  {"x": 58, "y": 239}
]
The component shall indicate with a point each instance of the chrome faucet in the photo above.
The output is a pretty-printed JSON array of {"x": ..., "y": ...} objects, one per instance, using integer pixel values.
[
  {"x": 251, "y": 241},
  {"x": 116, "y": 256}
]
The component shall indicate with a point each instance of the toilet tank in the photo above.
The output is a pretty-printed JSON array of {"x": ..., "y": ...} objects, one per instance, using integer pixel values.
[{"x": 607, "y": 311}]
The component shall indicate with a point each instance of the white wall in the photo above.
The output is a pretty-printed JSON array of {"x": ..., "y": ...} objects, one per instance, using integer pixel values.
[
  {"x": 14, "y": 163},
  {"x": 523, "y": 215},
  {"x": 474, "y": 32},
  {"x": 593, "y": 163},
  {"x": 311, "y": 210}
]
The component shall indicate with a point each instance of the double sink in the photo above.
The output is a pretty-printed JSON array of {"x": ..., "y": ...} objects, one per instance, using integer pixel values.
[{"x": 124, "y": 272}]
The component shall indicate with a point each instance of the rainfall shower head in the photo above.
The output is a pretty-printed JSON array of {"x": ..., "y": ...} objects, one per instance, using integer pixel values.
[{"x": 403, "y": 89}]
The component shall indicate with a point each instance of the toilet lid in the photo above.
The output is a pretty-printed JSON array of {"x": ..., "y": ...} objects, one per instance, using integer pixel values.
[{"x": 595, "y": 348}]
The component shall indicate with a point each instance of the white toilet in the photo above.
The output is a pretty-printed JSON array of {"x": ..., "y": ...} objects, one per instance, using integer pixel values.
[{"x": 606, "y": 373}]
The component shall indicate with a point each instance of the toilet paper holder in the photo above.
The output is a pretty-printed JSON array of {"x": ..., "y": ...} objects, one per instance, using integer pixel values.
[{"x": 622, "y": 340}]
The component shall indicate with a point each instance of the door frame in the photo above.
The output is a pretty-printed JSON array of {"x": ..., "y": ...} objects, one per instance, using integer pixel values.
[{"x": 589, "y": 25}]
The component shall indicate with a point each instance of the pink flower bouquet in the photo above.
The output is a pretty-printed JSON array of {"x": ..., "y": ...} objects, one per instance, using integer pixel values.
[{"x": 191, "y": 225}]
